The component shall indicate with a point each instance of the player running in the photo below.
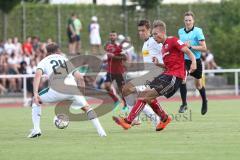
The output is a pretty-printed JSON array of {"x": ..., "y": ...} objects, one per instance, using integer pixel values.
[
  {"x": 167, "y": 83},
  {"x": 194, "y": 38},
  {"x": 150, "y": 49},
  {"x": 49, "y": 66},
  {"x": 115, "y": 67}
]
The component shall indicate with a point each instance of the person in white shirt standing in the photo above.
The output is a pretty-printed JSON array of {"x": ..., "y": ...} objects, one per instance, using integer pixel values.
[
  {"x": 94, "y": 36},
  {"x": 49, "y": 66}
]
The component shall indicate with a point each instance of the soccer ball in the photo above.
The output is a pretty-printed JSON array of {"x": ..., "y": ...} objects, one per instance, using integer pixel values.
[{"x": 61, "y": 121}]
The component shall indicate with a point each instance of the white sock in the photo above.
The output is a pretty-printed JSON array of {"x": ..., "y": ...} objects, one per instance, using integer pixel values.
[
  {"x": 151, "y": 114},
  {"x": 93, "y": 117},
  {"x": 36, "y": 115},
  {"x": 99, "y": 127}
]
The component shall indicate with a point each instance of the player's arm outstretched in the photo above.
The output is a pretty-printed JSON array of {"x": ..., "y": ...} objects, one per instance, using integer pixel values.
[
  {"x": 36, "y": 83},
  {"x": 187, "y": 51}
]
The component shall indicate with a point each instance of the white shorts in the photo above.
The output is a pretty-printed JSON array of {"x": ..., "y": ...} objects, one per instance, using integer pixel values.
[
  {"x": 95, "y": 40},
  {"x": 49, "y": 95}
]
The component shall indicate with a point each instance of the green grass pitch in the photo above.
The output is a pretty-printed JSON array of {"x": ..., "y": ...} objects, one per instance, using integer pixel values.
[{"x": 215, "y": 136}]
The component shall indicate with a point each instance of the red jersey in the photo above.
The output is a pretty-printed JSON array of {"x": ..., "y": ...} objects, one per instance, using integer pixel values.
[
  {"x": 173, "y": 57},
  {"x": 115, "y": 66},
  {"x": 27, "y": 48}
]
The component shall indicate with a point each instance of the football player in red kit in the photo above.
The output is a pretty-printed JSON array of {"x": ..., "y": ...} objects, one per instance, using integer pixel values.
[
  {"x": 167, "y": 83},
  {"x": 115, "y": 68}
]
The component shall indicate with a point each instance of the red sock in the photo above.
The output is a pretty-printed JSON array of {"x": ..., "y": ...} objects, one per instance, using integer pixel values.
[
  {"x": 158, "y": 110},
  {"x": 137, "y": 108},
  {"x": 111, "y": 94}
]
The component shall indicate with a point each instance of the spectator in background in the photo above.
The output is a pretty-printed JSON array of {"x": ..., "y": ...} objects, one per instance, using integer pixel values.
[
  {"x": 73, "y": 31},
  {"x": 77, "y": 27},
  {"x": 30, "y": 69},
  {"x": 210, "y": 62},
  {"x": 9, "y": 46},
  {"x": 3, "y": 68},
  {"x": 128, "y": 48},
  {"x": 27, "y": 47},
  {"x": 35, "y": 43},
  {"x": 1, "y": 47},
  {"x": 18, "y": 47},
  {"x": 43, "y": 50},
  {"x": 2, "y": 89},
  {"x": 94, "y": 35},
  {"x": 13, "y": 65},
  {"x": 71, "y": 34},
  {"x": 49, "y": 41}
]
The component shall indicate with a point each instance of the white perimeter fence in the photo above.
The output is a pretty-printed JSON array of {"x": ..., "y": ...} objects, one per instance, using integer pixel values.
[{"x": 131, "y": 74}]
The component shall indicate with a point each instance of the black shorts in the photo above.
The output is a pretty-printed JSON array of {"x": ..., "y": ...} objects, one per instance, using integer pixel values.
[
  {"x": 198, "y": 72},
  {"x": 78, "y": 38},
  {"x": 118, "y": 77},
  {"x": 71, "y": 39},
  {"x": 165, "y": 85}
]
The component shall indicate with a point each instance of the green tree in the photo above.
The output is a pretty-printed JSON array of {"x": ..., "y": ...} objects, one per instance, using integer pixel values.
[{"x": 225, "y": 30}]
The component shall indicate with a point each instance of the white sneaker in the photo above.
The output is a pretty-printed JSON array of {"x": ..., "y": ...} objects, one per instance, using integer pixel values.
[
  {"x": 103, "y": 135},
  {"x": 34, "y": 134}
]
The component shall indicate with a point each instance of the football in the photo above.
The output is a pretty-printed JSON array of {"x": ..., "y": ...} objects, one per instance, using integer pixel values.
[{"x": 61, "y": 121}]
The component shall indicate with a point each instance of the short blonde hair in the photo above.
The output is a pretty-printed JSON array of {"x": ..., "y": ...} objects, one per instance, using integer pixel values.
[
  {"x": 189, "y": 13},
  {"x": 160, "y": 24}
]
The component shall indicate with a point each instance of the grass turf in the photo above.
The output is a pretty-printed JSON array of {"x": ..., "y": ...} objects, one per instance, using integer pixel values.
[{"x": 210, "y": 137}]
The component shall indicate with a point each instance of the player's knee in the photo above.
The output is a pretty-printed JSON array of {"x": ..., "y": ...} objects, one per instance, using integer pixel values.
[
  {"x": 125, "y": 91},
  {"x": 85, "y": 108},
  {"x": 108, "y": 87},
  {"x": 148, "y": 100}
]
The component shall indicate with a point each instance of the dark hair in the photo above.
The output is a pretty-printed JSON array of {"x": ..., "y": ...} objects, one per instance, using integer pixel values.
[
  {"x": 145, "y": 23},
  {"x": 73, "y": 14},
  {"x": 189, "y": 13},
  {"x": 52, "y": 48}
]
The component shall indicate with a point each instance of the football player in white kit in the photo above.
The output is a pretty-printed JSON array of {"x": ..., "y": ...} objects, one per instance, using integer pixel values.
[
  {"x": 48, "y": 66},
  {"x": 150, "y": 49}
]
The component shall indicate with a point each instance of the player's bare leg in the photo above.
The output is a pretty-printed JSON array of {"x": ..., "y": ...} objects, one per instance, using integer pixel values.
[
  {"x": 78, "y": 47},
  {"x": 128, "y": 89},
  {"x": 107, "y": 86}
]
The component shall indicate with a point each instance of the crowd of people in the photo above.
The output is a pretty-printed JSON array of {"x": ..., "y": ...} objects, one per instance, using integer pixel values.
[{"x": 19, "y": 58}]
